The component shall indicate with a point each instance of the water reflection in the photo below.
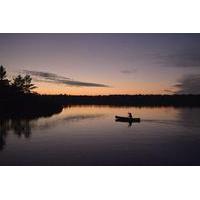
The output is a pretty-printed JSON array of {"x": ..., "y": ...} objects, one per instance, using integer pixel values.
[
  {"x": 129, "y": 123},
  {"x": 189, "y": 117},
  {"x": 3, "y": 132},
  {"x": 17, "y": 126},
  {"x": 24, "y": 127},
  {"x": 57, "y": 120},
  {"x": 82, "y": 117},
  {"x": 90, "y": 136},
  {"x": 186, "y": 117},
  {"x": 21, "y": 127}
]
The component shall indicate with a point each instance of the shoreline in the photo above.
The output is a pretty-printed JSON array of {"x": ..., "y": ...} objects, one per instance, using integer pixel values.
[{"x": 35, "y": 105}]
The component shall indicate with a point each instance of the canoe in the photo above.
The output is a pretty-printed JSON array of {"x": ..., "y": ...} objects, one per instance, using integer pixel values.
[{"x": 126, "y": 119}]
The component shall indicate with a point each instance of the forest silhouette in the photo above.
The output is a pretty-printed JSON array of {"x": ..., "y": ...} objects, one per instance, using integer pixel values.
[{"x": 17, "y": 98}]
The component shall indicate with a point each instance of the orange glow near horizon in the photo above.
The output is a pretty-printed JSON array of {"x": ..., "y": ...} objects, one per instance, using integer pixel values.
[{"x": 118, "y": 88}]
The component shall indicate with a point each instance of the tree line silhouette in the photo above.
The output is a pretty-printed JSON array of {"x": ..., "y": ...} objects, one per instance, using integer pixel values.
[
  {"x": 17, "y": 86},
  {"x": 188, "y": 100},
  {"x": 17, "y": 98}
]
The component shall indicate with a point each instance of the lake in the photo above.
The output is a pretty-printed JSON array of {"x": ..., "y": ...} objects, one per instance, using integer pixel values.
[{"x": 89, "y": 135}]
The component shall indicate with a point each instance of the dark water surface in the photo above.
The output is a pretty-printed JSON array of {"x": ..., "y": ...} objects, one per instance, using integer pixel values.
[{"x": 89, "y": 135}]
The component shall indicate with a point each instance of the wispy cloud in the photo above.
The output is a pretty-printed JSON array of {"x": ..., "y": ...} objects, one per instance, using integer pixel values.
[
  {"x": 188, "y": 84},
  {"x": 128, "y": 71},
  {"x": 170, "y": 91},
  {"x": 54, "y": 78},
  {"x": 45, "y": 75}
]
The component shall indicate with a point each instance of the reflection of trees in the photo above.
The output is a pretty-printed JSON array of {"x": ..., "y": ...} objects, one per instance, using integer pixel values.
[
  {"x": 21, "y": 127},
  {"x": 18, "y": 126},
  {"x": 4, "y": 128}
]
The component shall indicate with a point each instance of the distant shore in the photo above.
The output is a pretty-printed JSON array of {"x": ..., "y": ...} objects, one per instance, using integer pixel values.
[
  {"x": 129, "y": 100},
  {"x": 35, "y": 105}
]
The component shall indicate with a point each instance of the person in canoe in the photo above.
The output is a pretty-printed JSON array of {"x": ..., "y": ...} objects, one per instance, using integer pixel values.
[{"x": 130, "y": 116}]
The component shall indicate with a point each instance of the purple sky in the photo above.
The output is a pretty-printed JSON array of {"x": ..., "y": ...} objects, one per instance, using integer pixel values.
[{"x": 105, "y": 63}]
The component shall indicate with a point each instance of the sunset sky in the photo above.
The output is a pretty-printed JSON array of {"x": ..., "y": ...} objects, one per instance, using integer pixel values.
[{"x": 93, "y": 64}]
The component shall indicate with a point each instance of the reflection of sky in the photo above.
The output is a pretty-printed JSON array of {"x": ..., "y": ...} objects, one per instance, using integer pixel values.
[{"x": 129, "y": 63}]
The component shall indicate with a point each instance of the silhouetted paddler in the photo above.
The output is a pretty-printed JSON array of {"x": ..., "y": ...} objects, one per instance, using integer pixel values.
[{"x": 130, "y": 115}]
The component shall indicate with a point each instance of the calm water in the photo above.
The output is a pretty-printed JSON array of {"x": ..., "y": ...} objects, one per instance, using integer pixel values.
[{"x": 89, "y": 135}]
